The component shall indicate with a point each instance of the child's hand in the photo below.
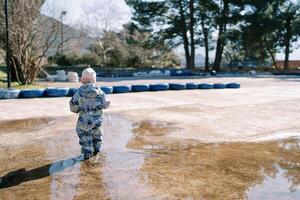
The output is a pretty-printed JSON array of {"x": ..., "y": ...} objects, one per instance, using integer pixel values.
[{"x": 107, "y": 104}]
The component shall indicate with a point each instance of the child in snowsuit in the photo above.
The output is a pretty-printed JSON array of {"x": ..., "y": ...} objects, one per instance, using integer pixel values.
[{"x": 89, "y": 101}]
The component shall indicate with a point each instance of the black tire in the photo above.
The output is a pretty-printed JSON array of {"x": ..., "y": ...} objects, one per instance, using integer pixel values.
[
  {"x": 206, "y": 86},
  {"x": 220, "y": 85},
  {"x": 1, "y": 94},
  {"x": 233, "y": 85},
  {"x": 10, "y": 94},
  {"x": 72, "y": 91},
  {"x": 159, "y": 87},
  {"x": 57, "y": 92},
  {"x": 140, "y": 88},
  {"x": 33, "y": 93},
  {"x": 122, "y": 89},
  {"x": 107, "y": 90},
  {"x": 191, "y": 86},
  {"x": 177, "y": 86}
]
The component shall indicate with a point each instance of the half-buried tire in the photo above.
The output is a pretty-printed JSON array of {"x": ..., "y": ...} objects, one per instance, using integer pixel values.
[
  {"x": 72, "y": 91},
  {"x": 233, "y": 85},
  {"x": 1, "y": 94},
  {"x": 33, "y": 93},
  {"x": 57, "y": 92},
  {"x": 159, "y": 87},
  {"x": 140, "y": 88},
  {"x": 9, "y": 94},
  {"x": 122, "y": 89},
  {"x": 220, "y": 85},
  {"x": 206, "y": 86},
  {"x": 177, "y": 86},
  {"x": 191, "y": 86},
  {"x": 107, "y": 90}
]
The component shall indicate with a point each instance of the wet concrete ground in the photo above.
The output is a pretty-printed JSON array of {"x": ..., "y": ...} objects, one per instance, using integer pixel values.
[
  {"x": 140, "y": 161},
  {"x": 218, "y": 144}
]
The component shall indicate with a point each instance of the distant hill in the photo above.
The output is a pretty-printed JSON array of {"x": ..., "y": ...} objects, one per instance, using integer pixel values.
[
  {"x": 77, "y": 41},
  {"x": 199, "y": 60}
]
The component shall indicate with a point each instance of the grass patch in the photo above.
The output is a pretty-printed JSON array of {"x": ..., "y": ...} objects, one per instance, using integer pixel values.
[
  {"x": 2, "y": 72},
  {"x": 16, "y": 85}
]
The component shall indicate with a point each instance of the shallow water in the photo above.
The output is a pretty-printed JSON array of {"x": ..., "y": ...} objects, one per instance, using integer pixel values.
[
  {"x": 24, "y": 124},
  {"x": 141, "y": 161}
]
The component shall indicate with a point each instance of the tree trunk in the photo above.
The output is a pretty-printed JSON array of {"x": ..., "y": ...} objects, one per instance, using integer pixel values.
[
  {"x": 206, "y": 51},
  {"x": 206, "y": 46},
  {"x": 271, "y": 53},
  {"x": 287, "y": 44},
  {"x": 14, "y": 77},
  {"x": 184, "y": 36},
  {"x": 221, "y": 36},
  {"x": 13, "y": 71},
  {"x": 104, "y": 60},
  {"x": 218, "y": 55},
  {"x": 273, "y": 59},
  {"x": 192, "y": 24}
]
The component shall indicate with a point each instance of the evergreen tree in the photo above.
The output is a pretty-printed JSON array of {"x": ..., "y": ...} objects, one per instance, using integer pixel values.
[{"x": 170, "y": 21}]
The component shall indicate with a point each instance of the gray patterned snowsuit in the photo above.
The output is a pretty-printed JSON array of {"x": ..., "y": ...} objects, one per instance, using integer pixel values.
[{"x": 89, "y": 102}]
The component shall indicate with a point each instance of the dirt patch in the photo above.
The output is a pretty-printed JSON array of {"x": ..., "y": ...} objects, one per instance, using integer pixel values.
[
  {"x": 153, "y": 128},
  {"x": 191, "y": 170},
  {"x": 142, "y": 161},
  {"x": 151, "y": 131},
  {"x": 24, "y": 125}
]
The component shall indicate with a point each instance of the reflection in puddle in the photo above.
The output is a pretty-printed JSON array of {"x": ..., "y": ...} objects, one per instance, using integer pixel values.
[
  {"x": 141, "y": 161},
  {"x": 121, "y": 166},
  {"x": 44, "y": 167},
  {"x": 24, "y": 124},
  {"x": 278, "y": 187},
  {"x": 185, "y": 169}
]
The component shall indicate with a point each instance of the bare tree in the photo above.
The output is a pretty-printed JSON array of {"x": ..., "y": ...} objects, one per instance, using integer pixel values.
[
  {"x": 99, "y": 22},
  {"x": 31, "y": 36}
]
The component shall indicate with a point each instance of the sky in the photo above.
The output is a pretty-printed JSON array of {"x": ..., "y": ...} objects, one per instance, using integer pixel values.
[{"x": 78, "y": 10}]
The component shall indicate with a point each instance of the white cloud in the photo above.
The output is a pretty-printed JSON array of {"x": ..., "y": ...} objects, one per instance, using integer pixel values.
[{"x": 76, "y": 10}]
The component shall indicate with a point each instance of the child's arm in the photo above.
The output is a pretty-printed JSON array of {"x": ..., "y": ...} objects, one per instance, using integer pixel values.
[
  {"x": 74, "y": 103},
  {"x": 106, "y": 103},
  {"x": 102, "y": 102}
]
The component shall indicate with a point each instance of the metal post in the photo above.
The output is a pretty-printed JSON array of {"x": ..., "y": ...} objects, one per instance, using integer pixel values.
[
  {"x": 62, "y": 31},
  {"x": 7, "y": 45}
]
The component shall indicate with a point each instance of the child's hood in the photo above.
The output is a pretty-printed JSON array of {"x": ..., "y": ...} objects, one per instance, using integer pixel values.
[{"x": 89, "y": 90}]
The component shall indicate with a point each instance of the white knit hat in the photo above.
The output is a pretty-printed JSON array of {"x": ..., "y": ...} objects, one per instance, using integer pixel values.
[{"x": 88, "y": 75}]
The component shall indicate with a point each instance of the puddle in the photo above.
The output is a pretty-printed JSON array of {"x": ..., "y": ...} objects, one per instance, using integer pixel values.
[
  {"x": 23, "y": 175},
  {"x": 152, "y": 131},
  {"x": 140, "y": 161},
  {"x": 277, "y": 187},
  {"x": 24, "y": 125},
  {"x": 153, "y": 128},
  {"x": 187, "y": 169},
  {"x": 49, "y": 167}
]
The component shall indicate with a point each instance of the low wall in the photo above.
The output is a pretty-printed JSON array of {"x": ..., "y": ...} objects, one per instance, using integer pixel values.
[{"x": 128, "y": 72}]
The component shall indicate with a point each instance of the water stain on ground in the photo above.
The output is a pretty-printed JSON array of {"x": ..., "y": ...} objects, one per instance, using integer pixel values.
[
  {"x": 187, "y": 169},
  {"x": 49, "y": 168},
  {"x": 24, "y": 125},
  {"x": 141, "y": 161},
  {"x": 151, "y": 131}
]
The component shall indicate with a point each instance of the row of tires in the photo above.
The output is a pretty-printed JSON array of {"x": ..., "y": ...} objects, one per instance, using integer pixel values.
[{"x": 63, "y": 92}]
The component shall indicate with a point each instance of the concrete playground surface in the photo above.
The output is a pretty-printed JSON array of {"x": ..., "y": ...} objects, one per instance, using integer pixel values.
[{"x": 190, "y": 144}]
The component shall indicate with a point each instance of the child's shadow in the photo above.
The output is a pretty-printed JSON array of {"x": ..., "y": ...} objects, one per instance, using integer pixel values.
[{"x": 22, "y": 175}]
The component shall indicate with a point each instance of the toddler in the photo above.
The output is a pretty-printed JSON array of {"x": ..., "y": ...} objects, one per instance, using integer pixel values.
[{"x": 89, "y": 101}]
